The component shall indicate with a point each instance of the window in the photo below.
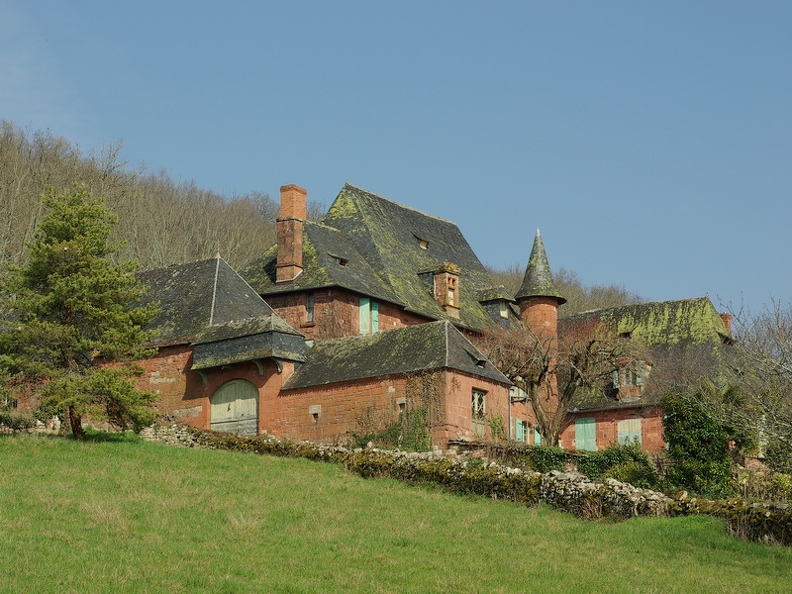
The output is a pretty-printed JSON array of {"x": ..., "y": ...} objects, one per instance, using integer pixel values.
[
  {"x": 586, "y": 434},
  {"x": 369, "y": 316},
  {"x": 537, "y": 436},
  {"x": 479, "y": 412},
  {"x": 632, "y": 374},
  {"x": 630, "y": 431},
  {"x": 309, "y": 308},
  {"x": 503, "y": 309}
]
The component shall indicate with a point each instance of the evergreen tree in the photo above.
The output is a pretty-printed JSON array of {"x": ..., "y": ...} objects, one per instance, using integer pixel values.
[{"x": 74, "y": 326}]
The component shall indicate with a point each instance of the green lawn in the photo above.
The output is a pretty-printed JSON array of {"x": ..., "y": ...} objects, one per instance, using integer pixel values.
[{"x": 139, "y": 517}]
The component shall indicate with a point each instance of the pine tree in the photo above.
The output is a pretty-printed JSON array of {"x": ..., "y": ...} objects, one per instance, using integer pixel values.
[{"x": 74, "y": 325}]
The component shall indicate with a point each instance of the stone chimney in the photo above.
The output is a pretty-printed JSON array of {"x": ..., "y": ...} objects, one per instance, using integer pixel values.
[
  {"x": 293, "y": 212},
  {"x": 727, "y": 321},
  {"x": 446, "y": 289}
]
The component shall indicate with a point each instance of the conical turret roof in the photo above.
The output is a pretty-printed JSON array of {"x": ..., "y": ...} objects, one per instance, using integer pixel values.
[{"x": 538, "y": 279}]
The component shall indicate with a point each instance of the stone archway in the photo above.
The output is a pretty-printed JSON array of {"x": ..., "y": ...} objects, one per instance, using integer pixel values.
[{"x": 234, "y": 408}]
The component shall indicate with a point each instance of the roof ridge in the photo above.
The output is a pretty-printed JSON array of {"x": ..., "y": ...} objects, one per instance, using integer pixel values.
[
  {"x": 399, "y": 204},
  {"x": 175, "y": 265},
  {"x": 214, "y": 291}
]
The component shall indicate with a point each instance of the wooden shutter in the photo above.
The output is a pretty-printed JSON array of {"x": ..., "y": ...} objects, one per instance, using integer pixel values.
[
  {"x": 365, "y": 315},
  {"x": 586, "y": 434},
  {"x": 630, "y": 431},
  {"x": 374, "y": 317}
]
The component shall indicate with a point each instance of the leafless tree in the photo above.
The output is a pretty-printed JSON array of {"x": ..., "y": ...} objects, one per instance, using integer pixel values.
[{"x": 555, "y": 374}]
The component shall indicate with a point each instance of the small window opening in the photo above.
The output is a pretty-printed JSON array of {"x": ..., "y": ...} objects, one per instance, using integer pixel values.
[
  {"x": 309, "y": 308},
  {"x": 424, "y": 244}
]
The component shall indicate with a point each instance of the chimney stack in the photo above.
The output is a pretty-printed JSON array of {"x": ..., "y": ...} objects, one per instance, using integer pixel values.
[
  {"x": 293, "y": 212},
  {"x": 727, "y": 320}
]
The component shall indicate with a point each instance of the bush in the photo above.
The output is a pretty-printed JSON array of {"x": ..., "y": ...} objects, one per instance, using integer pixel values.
[
  {"x": 698, "y": 446},
  {"x": 625, "y": 463}
]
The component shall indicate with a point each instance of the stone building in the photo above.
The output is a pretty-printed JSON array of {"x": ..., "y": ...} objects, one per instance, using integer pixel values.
[{"x": 348, "y": 326}]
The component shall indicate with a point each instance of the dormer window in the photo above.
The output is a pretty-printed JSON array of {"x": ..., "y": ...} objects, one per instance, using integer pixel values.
[
  {"x": 446, "y": 289},
  {"x": 503, "y": 309},
  {"x": 423, "y": 244},
  {"x": 340, "y": 260}
]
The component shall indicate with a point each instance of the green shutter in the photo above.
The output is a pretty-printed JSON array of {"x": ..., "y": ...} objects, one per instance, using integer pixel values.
[
  {"x": 519, "y": 429},
  {"x": 365, "y": 315},
  {"x": 586, "y": 434},
  {"x": 374, "y": 317},
  {"x": 537, "y": 436}
]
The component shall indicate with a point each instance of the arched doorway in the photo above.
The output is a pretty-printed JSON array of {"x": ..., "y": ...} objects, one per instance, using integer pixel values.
[{"x": 235, "y": 408}]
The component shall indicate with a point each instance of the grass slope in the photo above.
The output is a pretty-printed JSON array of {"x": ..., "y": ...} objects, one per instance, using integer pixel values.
[{"x": 139, "y": 517}]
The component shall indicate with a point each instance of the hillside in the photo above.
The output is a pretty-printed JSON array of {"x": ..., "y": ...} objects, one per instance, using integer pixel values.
[{"x": 140, "y": 517}]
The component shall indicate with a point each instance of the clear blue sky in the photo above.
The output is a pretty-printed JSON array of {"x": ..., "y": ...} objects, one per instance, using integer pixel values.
[{"x": 650, "y": 142}]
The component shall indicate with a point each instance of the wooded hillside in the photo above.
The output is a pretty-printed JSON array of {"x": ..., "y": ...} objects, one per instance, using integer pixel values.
[{"x": 164, "y": 222}]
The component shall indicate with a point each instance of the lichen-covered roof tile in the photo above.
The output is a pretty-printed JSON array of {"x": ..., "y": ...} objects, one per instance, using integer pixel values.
[
  {"x": 387, "y": 248},
  {"x": 412, "y": 349},
  {"x": 195, "y": 296},
  {"x": 538, "y": 278},
  {"x": 692, "y": 321}
]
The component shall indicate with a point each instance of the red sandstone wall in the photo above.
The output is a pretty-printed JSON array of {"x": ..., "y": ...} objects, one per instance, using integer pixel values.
[
  {"x": 608, "y": 432},
  {"x": 360, "y": 406},
  {"x": 335, "y": 313},
  {"x": 180, "y": 392},
  {"x": 458, "y": 423}
]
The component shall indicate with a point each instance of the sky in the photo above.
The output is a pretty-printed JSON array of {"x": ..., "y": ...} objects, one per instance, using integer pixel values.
[{"x": 651, "y": 142}]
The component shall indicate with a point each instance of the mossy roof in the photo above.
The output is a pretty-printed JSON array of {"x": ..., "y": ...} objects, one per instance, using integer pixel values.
[
  {"x": 422, "y": 347},
  {"x": 683, "y": 321},
  {"x": 206, "y": 301},
  {"x": 538, "y": 278},
  {"x": 388, "y": 250},
  {"x": 689, "y": 328}
]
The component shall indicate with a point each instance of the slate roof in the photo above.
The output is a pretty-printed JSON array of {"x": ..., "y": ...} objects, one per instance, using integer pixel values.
[
  {"x": 208, "y": 305},
  {"x": 434, "y": 345},
  {"x": 683, "y": 321},
  {"x": 538, "y": 278},
  {"x": 388, "y": 252},
  {"x": 666, "y": 329}
]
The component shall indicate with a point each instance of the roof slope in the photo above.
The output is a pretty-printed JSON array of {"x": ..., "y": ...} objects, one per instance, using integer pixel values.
[
  {"x": 196, "y": 296},
  {"x": 680, "y": 338},
  {"x": 684, "y": 321},
  {"x": 324, "y": 250},
  {"x": 389, "y": 252},
  {"x": 415, "y": 348}
]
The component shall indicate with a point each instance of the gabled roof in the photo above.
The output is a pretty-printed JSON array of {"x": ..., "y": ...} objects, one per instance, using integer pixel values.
[
  {"x": 389, "y": 252},
  {"x": 663, "y": 323},
  {"x": 197, "y": 296},
  {"x": 421, "y": 347}
]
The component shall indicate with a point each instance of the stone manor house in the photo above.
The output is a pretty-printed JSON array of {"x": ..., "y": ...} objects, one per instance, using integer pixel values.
[{"x": 348, "y": 324}]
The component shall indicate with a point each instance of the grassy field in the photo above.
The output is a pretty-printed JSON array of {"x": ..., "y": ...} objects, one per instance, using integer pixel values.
[{"x": 139, "y": 517}]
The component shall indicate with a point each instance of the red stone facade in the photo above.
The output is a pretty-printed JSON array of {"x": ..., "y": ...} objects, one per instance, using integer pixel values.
[
  {"x": 336, "y": 313},
  {"x": 328, "y": 414},
  {"x": 607, "y": 427}
]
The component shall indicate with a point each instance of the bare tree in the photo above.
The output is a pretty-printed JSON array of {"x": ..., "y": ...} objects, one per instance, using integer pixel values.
[
  {"x": 761, "y": 368},
  {"x": 555, "y": 374}
]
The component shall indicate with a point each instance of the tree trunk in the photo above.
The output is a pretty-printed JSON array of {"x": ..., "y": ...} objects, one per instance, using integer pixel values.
[{"x": 75, "y": 421}]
